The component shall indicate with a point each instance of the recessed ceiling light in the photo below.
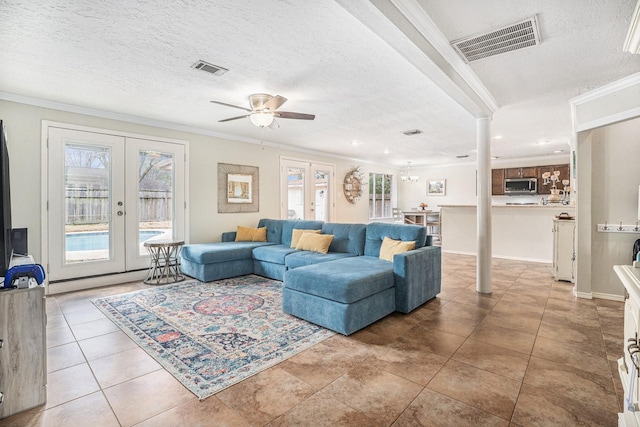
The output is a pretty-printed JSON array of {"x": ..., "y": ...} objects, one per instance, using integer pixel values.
[
  {"x": 495, "y": 157},
  {"x": 559, "y": 151},
  {"x": 386, "y": 151},
  {"x": 543, "y": 142},
  {"x": 497, "y": 137},
  {"x": 355, "y": 142}
]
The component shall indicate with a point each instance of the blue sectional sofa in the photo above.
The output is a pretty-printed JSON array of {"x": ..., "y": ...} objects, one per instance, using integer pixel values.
[{"x": 345, "y": 289}]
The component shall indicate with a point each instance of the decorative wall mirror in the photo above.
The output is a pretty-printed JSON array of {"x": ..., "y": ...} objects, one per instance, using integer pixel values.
[{"x": 353, "y": 185}]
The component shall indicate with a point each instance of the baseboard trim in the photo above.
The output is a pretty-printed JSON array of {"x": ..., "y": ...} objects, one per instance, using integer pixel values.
[
  {"x": 539, "y": 260},
  {"x": 611, "y": 297},
  {"x": 94, "y": 282}
]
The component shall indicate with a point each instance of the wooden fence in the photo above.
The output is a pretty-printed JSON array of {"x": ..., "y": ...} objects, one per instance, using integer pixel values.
[{"x": 87, "y": 206}]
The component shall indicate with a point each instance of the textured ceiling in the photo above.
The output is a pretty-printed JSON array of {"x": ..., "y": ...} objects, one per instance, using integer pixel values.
[{"x": 347, "y": 64}]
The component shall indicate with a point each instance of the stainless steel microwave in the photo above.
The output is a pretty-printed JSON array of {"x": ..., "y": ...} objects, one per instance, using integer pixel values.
[{"x": 520, "y": 186}]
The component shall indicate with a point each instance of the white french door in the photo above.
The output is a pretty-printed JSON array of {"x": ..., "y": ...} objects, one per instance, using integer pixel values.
[
  {"x": 107, "y": 195},
  {"x": 306, "y": 190}
]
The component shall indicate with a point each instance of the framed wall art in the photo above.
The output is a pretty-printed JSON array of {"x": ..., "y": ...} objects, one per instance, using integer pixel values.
[
  {"x": 238, "y": 188},
  {"x": 436, "y": 187}
]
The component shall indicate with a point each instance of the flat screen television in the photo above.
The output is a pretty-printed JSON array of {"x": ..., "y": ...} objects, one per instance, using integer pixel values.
[{"x": 6, "y": 248}]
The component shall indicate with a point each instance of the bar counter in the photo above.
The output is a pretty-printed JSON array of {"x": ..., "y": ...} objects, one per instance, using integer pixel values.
[{"x": 522, "y": 232}]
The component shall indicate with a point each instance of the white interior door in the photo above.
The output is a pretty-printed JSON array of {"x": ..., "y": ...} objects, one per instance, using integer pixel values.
[
  {"x": 306, "y": 190},
  {"x": 155, "y": 204},
  {"x": 107, "y": 195},
  {"x": 85, "y": 204}
]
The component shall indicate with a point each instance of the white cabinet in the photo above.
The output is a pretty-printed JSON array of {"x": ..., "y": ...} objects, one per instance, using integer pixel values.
[
  {"x": 23, "y": 373},
  {"x": 629, "y": 375},
  {"x": 564, "y": 253}
]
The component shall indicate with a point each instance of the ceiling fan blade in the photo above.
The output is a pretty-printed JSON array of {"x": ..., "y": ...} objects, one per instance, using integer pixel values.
[
  {"x": 233, "y": 118},
  {"x": 289, "y": 115},
  {"x": 231, "y": 105},
  {"x": 274, "y": 103}
]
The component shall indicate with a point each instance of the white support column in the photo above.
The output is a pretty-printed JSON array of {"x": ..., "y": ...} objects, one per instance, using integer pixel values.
[{"x": 483, "y": 265}]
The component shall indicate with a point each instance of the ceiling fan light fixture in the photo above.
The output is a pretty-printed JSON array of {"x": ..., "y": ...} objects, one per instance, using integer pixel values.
[{"x": 261, "y": 118}]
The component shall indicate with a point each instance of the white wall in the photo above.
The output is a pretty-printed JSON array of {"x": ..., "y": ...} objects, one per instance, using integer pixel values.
[
  {"x": 23, "y": 126},
  {"x": 613, "y": 153}
]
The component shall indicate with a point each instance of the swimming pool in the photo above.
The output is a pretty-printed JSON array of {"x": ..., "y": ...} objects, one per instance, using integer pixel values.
[{"x": 98, "y": 240}]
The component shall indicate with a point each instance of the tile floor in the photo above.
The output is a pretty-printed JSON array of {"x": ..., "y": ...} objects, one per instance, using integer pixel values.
[{"x": 527, "y": 355}]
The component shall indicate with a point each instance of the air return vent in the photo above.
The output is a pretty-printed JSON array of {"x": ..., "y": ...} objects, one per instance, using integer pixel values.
[
  {"x": 412, "y": 132},
  {"x": 209, "y": 68},
  {"x": 516, "y": 36}
]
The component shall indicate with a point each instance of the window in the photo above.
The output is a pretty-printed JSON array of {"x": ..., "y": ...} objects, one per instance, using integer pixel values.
[{"x": 380, "y": 196}]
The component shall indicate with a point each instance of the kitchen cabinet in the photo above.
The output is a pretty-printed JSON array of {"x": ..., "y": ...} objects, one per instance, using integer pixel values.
[
  {"x": 564, "y": 253},
  {"x": 23, "y": 373},
  {"x": 526, "y": 172},
  {"x": 564, "y": 174},
  {"x": 627, "y": 371},
  {"x": 497, "y": 182}
]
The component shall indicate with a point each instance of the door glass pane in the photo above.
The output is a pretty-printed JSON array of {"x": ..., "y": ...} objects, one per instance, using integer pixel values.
[
  {"x": 321, "y": 189},
  {"x": 155, "y": 197},
  {"x": 87, "y": 178},
  {"x": 295, "y": 193}
]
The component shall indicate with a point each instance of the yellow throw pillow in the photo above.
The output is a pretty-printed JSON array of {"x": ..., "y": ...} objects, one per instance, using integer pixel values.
[
  {"x": 295, "y": 236},
  {"x": 248, "y": 234},
  {"x": 391, "y": 247},
  {"x": 315, "y": 242}
]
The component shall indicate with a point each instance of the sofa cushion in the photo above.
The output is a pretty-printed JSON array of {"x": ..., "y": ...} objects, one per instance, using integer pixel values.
[
  {"x": 297, "y": 233},
  {"x": 302, "y": 224},
  {"x": 274, "y": 229},
  {"x": 248, "y": 234},
  {"x": 273, "y": 253},
  {"x": 207, "y": 253},
  {"x": 315, "y": 242},
  {"x": 377, "y": 231},
  {"x": 390, "y": 247},
  {"x": 303, "y": 258},
  {"x": 344, "y": 280},
  {"x": 348, "y": 238}
]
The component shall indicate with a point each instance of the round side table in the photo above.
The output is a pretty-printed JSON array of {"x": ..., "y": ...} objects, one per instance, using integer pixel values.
[{"x": 165, "y": 263}]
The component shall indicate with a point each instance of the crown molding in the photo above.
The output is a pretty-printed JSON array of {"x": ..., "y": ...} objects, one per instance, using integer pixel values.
[{"x": 632, "y": 42}]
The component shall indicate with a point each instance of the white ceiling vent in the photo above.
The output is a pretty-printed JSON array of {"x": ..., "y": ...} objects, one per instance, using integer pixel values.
[
  {"x": 516, "y": 36},
  {"x": 209, "y": 68},
  {"x": 412, "y": 132}
]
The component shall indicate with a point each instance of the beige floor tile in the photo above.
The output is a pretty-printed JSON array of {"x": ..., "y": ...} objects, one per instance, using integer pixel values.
[
  {"x": 490, "y": 392},
  {"x": 85, "y": 315},
  {"x": 407, "y": 360},
  {"x": 195, "y": 413},
  {"x": 572, "y": 382},
  {"x": 147, "y": 396},
  {"x": 432, "y": 340},
  {"x": 64, "y": 356},
  {"x": 90, "y": 410},
  {"x": 319, "y": 411},
  {"x": 82, "y": 331},
  {"x": 491, "y": 358},
  {"x": 432, "y": 409},
  {"x": 379, "y": 395},
  {"x": 70, "y": 383},
  {"x": 450, "y": 322},
  {"x": 585, "y": 357},
  {"x": 120, "y": 367},
  {"x": 263, "y": 397},
  {"x": 59, "y": 336},
  {"x": 540, "y": 407},
  {"x": 106, "y": 345},
  {"x": 504, "y": 337}
]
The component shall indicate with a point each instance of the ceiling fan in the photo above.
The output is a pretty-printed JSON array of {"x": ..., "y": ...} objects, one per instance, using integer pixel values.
[{"x": 263, "y": 110}]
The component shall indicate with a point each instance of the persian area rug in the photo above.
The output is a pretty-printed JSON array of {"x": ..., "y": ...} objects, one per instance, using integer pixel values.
[{"x": 212, "y": 335}]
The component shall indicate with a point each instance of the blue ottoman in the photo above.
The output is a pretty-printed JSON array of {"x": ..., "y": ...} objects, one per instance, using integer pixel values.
[{"x": 344, "y": 295}]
